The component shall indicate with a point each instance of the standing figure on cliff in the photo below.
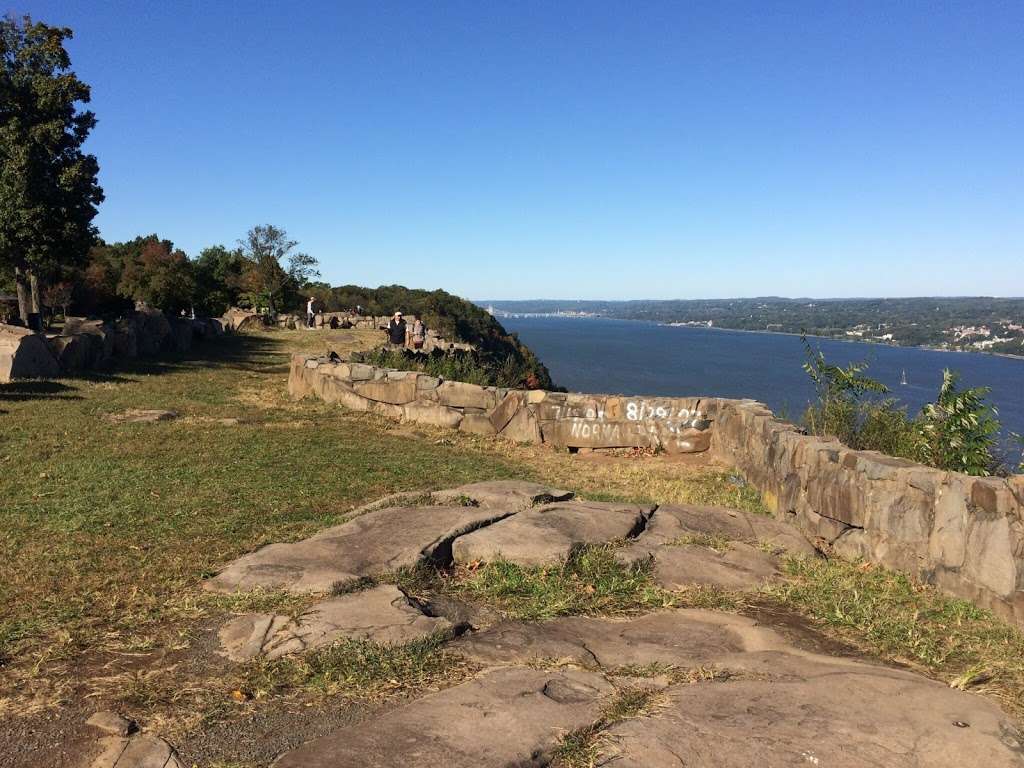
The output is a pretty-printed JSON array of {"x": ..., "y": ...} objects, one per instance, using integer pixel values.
[
  {"x": 310, "y": 314},
  {"x": 396, "y": 330}
]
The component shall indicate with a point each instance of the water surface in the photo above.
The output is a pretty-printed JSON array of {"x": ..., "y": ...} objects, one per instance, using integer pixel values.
[{"x": 638, "y": 358}]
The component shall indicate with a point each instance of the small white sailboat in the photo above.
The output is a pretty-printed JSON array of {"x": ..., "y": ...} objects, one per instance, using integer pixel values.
[{"x": 903, "y": 378}]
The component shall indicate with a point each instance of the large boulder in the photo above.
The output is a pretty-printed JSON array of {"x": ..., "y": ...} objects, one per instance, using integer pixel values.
[
  {"x": 102, "y": 331},
  {"x": 80, "y": 352},
  {"x": 25, "y": 354},
  {"x": 236, "y": 319},
  {"x": 182, "y": 330},
  {"x": 153, "y": 330}
]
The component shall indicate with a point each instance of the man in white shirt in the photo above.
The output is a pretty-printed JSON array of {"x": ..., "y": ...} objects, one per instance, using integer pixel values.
[{"x": 310, "y": 314}]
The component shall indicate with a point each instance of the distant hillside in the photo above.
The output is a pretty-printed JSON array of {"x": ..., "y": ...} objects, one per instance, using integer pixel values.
[
  {"x": 962, "y": 323},
  {"x": 453, "y": 318}
]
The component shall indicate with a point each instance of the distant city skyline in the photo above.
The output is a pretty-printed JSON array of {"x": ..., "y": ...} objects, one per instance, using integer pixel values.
[{"x": 600, "y": 150}]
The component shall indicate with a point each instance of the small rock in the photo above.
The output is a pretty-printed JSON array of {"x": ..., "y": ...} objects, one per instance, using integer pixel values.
[
  {"x": 111, "y": 722},
  {"x": 142, "y": 415}
]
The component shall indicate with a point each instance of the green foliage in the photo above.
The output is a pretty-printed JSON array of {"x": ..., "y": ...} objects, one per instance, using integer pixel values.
[
  {"x": 265, "y": 250},
  {"x": 159, "y": 275},
  {"x": 470, "y": 367},
  {"x": 48, "y": 187},
  {"x": 958, "y": 430},
  {"x": 218, "y": 274}
]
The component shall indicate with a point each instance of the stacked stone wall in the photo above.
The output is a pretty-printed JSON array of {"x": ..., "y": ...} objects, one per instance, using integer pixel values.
[
  {"x": 87, "y": 345},
  {"x": 962, "y": 534}
]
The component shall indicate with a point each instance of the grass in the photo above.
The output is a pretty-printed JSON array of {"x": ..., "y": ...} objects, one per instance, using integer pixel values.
[
  {"x": 590, "y": 583},
  {"x": 891, "y": 616},
  {"x": 582, "y": 748},
  {"x": 358, "y": 669},
  {"x": 107, "y": 529},
  {"x": 715, "y": 541}
]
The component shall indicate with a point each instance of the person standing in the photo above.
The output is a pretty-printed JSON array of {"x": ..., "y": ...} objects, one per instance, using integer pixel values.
[
  {"x": 310, "y": 314},
  {"x": 396, "y": 330},
  {"x": 419, "y": 334}
]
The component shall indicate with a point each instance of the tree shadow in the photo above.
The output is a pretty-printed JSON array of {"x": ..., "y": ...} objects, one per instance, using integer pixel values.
[
  {"x": 19, "y": 391},
  {"x": 234, "y": 351}
]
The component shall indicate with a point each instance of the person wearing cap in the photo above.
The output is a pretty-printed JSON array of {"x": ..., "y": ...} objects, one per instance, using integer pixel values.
[{"x": 396, "y": 330}]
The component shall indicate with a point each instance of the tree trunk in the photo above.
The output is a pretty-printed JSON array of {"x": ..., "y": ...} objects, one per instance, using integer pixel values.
[
  {"x": 23, "y": 295},
  {"x": 37, "y": 302}
]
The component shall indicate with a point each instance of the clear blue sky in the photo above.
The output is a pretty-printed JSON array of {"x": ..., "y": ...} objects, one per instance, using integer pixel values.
[{"x": 572, "y": 150}]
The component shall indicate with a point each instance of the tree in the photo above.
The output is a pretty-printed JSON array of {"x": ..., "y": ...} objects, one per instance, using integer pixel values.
[
  {"x": 59, "y": 295},
  {"x": 159, "y": 275},
  {"x": 218, "y": 274},
  {"x": 264, "y": 249},
  {"x": 48, "y": 187}
]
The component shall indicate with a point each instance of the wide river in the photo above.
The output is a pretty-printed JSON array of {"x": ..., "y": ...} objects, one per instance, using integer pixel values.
[{"x": 639, "y": 358}]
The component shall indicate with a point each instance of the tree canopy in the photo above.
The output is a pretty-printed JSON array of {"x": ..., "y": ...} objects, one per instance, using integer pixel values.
[{"x": 48, "y": 186}]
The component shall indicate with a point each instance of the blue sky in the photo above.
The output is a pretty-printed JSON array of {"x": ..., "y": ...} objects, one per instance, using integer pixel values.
[{"x": 572, "y": 150}]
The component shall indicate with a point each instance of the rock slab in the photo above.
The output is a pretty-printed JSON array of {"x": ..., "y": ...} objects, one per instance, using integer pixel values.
[
  {"x": 546, "y": 535},
  {"x": 374, "y": 543},
  {"x": 509, "y": 717},
  {"x": 382, "y": 614}
]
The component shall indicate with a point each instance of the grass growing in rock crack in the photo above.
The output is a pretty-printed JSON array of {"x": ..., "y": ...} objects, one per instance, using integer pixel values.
[
  {"x": 591, "y": 582},
  {"x": 359, "y": 669},
  {"x": 715, "y": 541},
  {"x": 892, "y": 616},
  {"x": 582, "y": 748}
]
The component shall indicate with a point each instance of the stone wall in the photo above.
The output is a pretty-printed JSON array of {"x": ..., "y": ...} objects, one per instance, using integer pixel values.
[
  {"x": 86, "y": 345},
  {"x": 963, "y": 534},
  {"x": 676, "y": 425}
]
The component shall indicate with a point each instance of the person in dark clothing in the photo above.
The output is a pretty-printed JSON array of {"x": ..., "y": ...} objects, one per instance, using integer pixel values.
[{"x": 396, "y": 330}]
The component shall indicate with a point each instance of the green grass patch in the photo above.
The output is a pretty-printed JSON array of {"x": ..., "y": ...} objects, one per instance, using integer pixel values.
[
  {"x": 582, "y": 748},
  {"x": 590, "y": 583},
  {"x": 715, "y": 541},
  {"x": 358, "y": 669},
  {"x": 891, "y": 615}
]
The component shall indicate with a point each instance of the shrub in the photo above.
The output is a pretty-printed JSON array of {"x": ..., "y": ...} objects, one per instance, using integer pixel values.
[
  {"x": 958, "y": 431},
  {"x": 470, "y": 367}
]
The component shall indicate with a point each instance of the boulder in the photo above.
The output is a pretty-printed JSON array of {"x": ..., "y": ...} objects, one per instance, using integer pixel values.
[
  {"x": 25, "y": 354},
  {"x": 153, "y": 330},
  {"x": 382, "y": 614},
  {"x": 476, "y": 424},
  {"x": 522, "y": 428},
  {"x": 81, "y": 352},
  {"x": 181, "y": 332},
  {"x": 509, "y": 717},
  {"x": 236, "y": 319},
  {"x": 506, "y": 409},
  {"x": 546, "y": 535},
  {"x": 738, "y": 566},
  {"x": 434, "y": 415},
  {"x": 126, "y": 339},
  {"x": 459, "y": 395},
  {"x": 102, "y": 331}
]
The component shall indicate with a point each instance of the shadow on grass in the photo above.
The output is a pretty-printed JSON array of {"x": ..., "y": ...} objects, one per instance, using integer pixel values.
[{"x": 238, "y": 351}]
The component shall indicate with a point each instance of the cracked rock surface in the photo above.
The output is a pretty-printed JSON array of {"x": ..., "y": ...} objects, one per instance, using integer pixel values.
[
  {"x": 547, "y": 534},
  {"x": 382, "y": 614},
  {"x": 374, "y": 543},
  {"x": 504, "y": 493},
  {"x": 508, "y": 717},
  {"x": 841, "y": 716},
  {"x": 140, "y": 751}
]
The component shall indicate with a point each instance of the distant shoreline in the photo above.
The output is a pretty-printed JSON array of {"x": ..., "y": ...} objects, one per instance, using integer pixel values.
[{"x": 534, "y": 315}]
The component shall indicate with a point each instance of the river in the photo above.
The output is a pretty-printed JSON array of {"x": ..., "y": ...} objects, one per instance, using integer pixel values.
[{"x": 639, "y": 358}]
